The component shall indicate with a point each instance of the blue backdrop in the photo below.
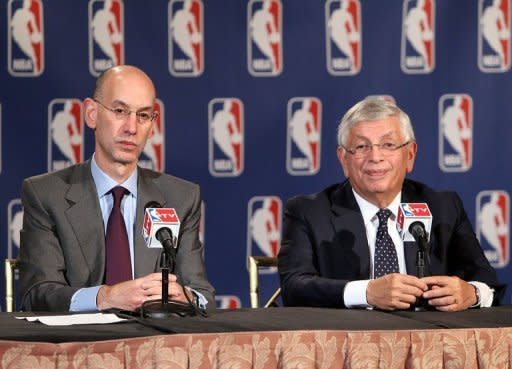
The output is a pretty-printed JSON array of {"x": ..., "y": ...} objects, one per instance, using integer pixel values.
[{"x": 250, "y": 95}]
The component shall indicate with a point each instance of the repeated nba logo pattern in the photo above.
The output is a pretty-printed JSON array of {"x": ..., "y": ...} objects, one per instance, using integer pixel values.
[
  {"x": 264, "y": 37},
  {"x": 494, "y": 35},
  {"x": 106, "y": 35},
  {"x": 264, "y": 214},
  {"x": 303, "y": 143},
  {"x": 153, "y": 155},
  {"x": 186, "y": 38},
  {"x": 15, "y": 223},
  {"x": 228, "y": 302},
  {"x": 25, "y": 38},
  {"x": 418, "y": 36},
  {"x": 493, "y": 226},
  {"x": 455, "y": 132},
  {"x": 343, "y": 31},
  {"x": 65, "y": 133},
  {"x": 226, "y": 137}
]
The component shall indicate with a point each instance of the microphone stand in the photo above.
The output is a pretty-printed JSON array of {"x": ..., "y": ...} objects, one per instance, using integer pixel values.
[
  {"x": 163, "y": 308},
  {"x": 421, "y": 271}
]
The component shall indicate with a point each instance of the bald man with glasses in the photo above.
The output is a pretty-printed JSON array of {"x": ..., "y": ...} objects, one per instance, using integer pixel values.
[
  {"x": 341, "y": 248},
  {"x": 82, "y": 247}
]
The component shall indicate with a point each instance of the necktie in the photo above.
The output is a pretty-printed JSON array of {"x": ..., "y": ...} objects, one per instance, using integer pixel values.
[
  {"x": 118, "y": 263},
  {"x": 385, "y": 261}
]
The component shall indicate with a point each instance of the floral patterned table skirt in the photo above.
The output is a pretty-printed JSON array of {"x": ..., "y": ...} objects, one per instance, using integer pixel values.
[{"x": 418, "y": 349}]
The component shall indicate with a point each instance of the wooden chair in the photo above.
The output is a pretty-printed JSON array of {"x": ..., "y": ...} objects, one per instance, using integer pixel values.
[
  {"x": 11, "y": 271},
  {"x": 255, "y": 263}
]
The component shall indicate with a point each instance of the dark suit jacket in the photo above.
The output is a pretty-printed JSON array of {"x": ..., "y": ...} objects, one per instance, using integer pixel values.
[
  {"x": 324, "y": 244},
  {"x": 63, "y": 238}
]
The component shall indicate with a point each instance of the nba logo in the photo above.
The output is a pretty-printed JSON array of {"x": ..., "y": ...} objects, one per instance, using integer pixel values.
[
  {"x": 303, "y": 144},
  {"x": 455, "y": 132},
  {"x": 186, "y": 44},
  {"x": 264, "y": 227},
  {"x": 343, "y": 30},
  {"x": 15, "y": 223},
  {"x": 65, "y": 133},
  {"x": 228, "y": 302},
  {"x": 226, "y": 137},
  {"x": 492, "y": 226},
  {"x": 418, "y": 36},
  {"x": 264, "y": 37},
  {"x": 494, "y": 35},
  {"x": 106, "y": 35},
  {"x": 153, "y": 155},
  {"x": 25, "y": 38}
]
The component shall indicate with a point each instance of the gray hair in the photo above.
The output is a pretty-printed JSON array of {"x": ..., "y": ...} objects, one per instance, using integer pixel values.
[{"x": 371, "y": 109}]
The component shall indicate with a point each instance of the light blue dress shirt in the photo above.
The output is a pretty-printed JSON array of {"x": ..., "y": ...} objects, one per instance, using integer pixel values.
[{"x": 85, "y": 298}]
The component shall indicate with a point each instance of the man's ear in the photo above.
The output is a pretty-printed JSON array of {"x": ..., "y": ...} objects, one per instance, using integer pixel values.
[
  {"x": 340, "y": 152},
  {"x": 91, "y": 112},
  {"x": 411, "y": 155}
]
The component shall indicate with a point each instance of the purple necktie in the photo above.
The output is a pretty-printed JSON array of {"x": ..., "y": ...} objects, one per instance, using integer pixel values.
[
  {"x": 118, "y": 263},
  {"x": 385, "y": 260}
]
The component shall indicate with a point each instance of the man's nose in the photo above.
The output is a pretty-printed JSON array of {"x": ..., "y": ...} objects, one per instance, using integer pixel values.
[
  {"x": 131, "y": 123},
  {"x": 375, "y": 152}
]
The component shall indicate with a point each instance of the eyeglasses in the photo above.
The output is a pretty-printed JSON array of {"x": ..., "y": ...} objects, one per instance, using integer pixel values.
[
  {"x": 386, "y": 148},
  {"x": 122, "y": 112}
]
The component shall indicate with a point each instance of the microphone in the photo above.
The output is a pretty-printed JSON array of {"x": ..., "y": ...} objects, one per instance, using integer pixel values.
[
  {"x": 417, "y": 229},
  {"x": 414, "y": 220},
  {"x": 414, "y": 223},
  {"x": 161, "y": 227}
]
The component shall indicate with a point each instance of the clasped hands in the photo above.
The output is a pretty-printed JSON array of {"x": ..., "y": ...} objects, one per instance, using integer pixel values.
[
  {"x": 130, "y": 295},
  {"x": 400, "y": 291}
]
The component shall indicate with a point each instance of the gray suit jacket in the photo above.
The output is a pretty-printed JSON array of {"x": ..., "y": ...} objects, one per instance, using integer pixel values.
[{"x": 63, "y": 238}]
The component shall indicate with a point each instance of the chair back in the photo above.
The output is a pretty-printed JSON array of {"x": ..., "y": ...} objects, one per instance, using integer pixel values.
[
  {"x": 11, "y": 274},
  {"x": 255, "y": 263}
]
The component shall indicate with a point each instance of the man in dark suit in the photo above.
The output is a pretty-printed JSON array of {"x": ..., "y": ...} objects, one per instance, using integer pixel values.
[
  {"x": 64, "y": 259},
  {"x": 341, "y": 248}
]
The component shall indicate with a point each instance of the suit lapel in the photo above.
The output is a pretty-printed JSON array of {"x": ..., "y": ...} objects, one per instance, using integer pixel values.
[
  {"x": 84, "y": 216},
  {"x": 349, "y": 226},
  {"x": 146, "y": 259}
]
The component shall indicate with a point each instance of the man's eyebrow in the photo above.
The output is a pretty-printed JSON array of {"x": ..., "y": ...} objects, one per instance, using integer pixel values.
[
  {"x": 385, "y": 135},
  {"x": 120, "y": 102}
]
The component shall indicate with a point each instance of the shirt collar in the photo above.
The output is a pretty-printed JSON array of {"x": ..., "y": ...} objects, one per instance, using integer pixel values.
[
  {"x": 104, "y": 183},
  {"x": 369, "y": 210}
]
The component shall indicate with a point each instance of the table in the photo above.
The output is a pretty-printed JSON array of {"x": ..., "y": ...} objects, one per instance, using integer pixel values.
[{"x": 269, "y": 338}]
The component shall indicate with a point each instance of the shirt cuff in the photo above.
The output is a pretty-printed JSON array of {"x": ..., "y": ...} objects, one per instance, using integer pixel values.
[
  {"x": 84, "y": 299},
  {"x": 201, "y": 300},
  {"x": 354, "y": 294},
  {"x": 486, "y": 294}
]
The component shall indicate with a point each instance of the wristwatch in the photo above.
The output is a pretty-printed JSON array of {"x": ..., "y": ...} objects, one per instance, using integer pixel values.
[{"x": 477, "y": 294}]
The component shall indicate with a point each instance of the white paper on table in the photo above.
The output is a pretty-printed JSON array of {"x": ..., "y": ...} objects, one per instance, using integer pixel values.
[{"x": 94, "y": 318}]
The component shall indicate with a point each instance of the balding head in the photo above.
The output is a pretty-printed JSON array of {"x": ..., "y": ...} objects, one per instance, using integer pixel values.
[{"x": 118, "y": 72}]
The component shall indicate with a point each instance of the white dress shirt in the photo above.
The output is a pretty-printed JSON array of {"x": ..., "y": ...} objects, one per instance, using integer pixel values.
[{"x": 354, "y": 294}]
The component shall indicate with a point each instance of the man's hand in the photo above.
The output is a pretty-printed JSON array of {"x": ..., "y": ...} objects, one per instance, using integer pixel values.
[
  {"x": 449, "y": 293},
  {"x": 130, "y": 295},
  {"x": 394, "y": 291}
]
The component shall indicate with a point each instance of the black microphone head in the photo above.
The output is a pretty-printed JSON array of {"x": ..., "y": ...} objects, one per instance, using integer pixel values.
[
  {"x": 417, "y": 229},
  {"x": 164, "y": 234},
  {"x": 152, "y": 204}
]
